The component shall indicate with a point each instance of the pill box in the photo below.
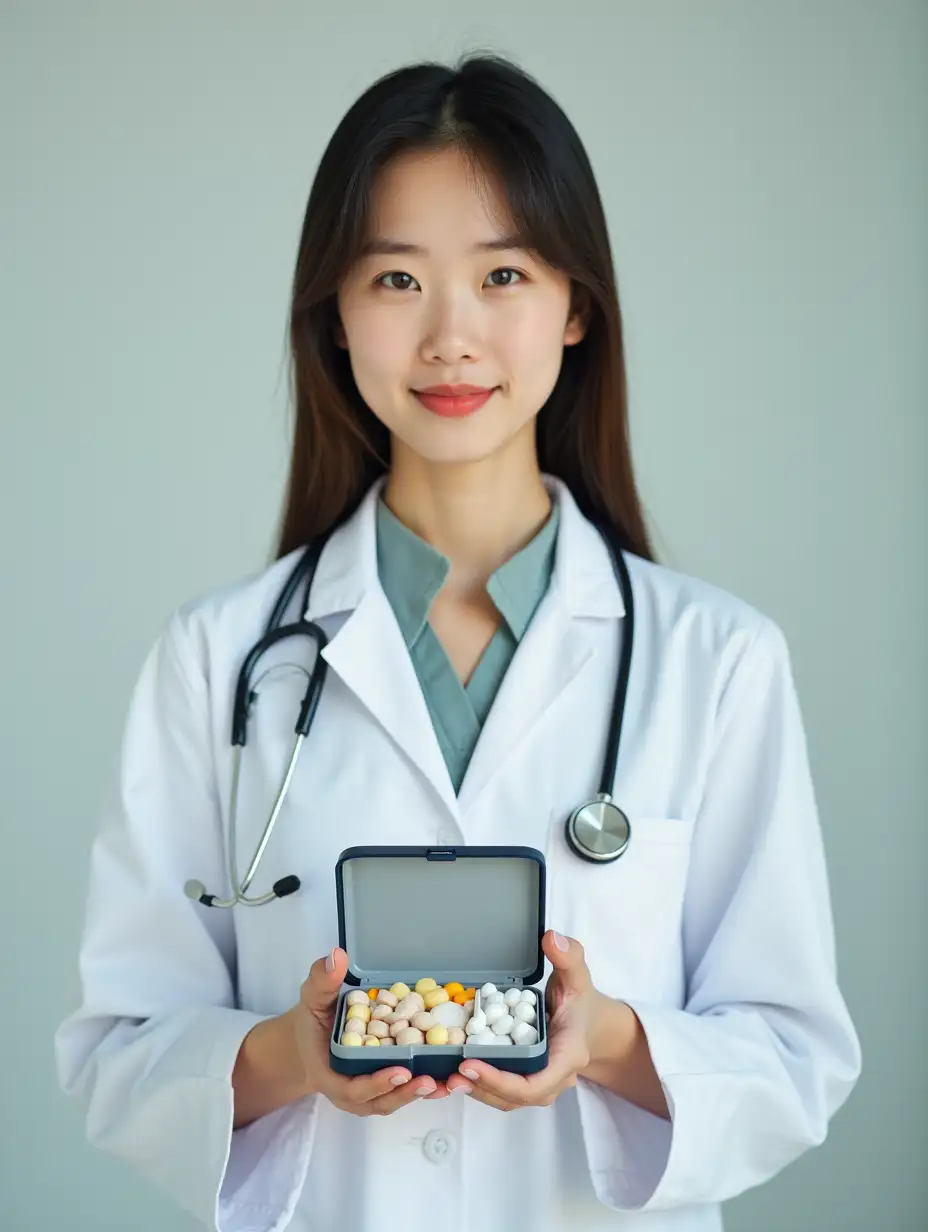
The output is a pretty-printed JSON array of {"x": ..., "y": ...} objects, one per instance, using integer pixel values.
[{"x": 468, "y": 914}]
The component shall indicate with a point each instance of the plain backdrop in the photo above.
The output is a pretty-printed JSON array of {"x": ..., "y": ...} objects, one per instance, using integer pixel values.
[{"x": 764, "y": 168}]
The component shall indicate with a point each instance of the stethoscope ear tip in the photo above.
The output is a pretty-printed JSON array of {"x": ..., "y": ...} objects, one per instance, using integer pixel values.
[{"x": 195, "y": 890}]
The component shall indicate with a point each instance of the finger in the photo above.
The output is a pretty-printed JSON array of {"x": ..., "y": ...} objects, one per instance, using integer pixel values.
[
  {"x": 568, "y": 959},
  {"x": 419, "y": 1088},
  {"x": 321, "y": 987},
  {"x": 367, "y": 1087},
  {"x": 493, "y": 1101},
  {"x": 516, "y": 1089}
]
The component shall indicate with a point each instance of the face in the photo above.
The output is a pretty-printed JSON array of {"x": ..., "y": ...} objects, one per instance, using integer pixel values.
[{"x": 442, "y": 298}]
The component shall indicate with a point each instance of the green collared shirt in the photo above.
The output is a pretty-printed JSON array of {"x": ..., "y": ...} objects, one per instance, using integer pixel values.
[{"x": 412, "y": 573}]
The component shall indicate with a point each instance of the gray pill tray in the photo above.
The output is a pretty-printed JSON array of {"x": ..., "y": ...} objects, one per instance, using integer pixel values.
[{"x": 471, "y": 914}]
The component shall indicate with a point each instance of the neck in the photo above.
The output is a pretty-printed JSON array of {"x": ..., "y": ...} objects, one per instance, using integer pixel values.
[{"x": 477, "y": 514}]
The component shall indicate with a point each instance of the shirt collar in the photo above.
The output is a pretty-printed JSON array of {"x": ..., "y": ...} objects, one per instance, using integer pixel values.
[
  {"x": 412, "y": 572},
  {"x": 583, "y": 578}
]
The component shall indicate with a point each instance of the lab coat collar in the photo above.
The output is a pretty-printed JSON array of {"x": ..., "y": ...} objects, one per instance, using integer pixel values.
[
  {"x": 370, "y": 656},
  {"x": 582, "y": 579}
]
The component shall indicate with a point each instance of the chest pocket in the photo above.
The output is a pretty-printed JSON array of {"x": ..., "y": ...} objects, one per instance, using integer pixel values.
[{"x": 627, "y": 914}]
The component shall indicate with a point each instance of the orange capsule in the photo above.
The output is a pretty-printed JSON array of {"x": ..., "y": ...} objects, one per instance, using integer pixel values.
[
  {"x": 460, "y": 998},
  {"x": 372, "y": 993},
  {"x": 453, "y": 989},
  {"x": 470, "y": 993}
]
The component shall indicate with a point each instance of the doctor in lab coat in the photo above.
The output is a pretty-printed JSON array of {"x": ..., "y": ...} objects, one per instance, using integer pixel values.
[{"x": 699, "y": 1041}]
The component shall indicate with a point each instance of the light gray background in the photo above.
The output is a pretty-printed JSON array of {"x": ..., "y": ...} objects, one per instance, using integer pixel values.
[{"x": 765, "y": 174}]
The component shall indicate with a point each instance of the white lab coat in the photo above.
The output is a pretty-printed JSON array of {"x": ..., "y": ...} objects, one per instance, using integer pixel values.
[{"x": 715, "y": 925}]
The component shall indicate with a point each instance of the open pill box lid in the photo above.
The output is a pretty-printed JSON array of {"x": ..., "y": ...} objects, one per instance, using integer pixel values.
[{"x": 471, "y": 914}]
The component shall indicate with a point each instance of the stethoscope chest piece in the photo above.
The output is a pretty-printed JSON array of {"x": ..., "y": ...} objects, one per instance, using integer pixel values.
[{"x": 598, "y": 831}]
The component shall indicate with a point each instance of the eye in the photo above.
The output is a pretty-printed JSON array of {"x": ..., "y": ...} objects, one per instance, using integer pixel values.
[
  {"x": 393, "y": 274},
  {"x": 506, "y": 270}
]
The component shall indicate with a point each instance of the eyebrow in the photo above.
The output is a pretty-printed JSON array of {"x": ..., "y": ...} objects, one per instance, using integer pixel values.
[{"x": 381, "y": 246}]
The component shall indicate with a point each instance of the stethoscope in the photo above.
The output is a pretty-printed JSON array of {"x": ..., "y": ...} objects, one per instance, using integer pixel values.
[{"x": 597, "y": 831}]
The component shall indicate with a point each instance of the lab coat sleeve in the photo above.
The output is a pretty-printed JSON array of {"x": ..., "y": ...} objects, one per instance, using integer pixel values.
[
  {"x": 151, "y": 1049},
  {"x": 763, "y": 1052}
]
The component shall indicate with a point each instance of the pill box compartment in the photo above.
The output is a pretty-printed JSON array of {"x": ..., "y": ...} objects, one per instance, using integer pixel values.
[{"x": 470, "y": 914}]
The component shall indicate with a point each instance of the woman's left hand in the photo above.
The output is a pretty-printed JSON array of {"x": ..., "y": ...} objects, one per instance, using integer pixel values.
[{"x": 571, "y": 1000}]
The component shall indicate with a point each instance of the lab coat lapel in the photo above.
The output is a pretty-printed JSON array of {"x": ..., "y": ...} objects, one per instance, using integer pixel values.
[
  {"x": 370, "y": 656},
  {"x": 551, "y": 654},
  {"x": 556, "y": 645},
  {"x": 368, "y": 651}
]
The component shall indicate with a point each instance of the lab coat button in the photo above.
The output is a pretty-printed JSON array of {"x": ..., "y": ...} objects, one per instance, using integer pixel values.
[{"x": 438, "y": 1146}]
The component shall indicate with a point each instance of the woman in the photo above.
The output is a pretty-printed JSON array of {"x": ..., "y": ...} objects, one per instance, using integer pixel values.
[{"x": 454, "y": 236}]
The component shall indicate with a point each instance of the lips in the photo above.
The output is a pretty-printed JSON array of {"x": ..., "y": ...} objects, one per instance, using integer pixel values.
[{"x": 454, "y": 401}]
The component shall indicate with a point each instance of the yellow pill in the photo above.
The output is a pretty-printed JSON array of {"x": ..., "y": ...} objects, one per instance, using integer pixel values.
[
  {"x": 400, "y": 991},
  {"x": 437, "y": 1035},
  {"x": 371, "y": 1041},
  {"x": 372, "y": 993},
  {"x": 351, "y": 1039},
  {"x": 453, "y": 989},
  {"x": 360, "y": 1011},
  {"x": 435, "y": 997},
  {"x": 425, "y": 985}
]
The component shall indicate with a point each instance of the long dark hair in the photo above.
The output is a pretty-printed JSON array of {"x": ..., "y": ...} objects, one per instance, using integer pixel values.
[{"x": 501, "y": 119}]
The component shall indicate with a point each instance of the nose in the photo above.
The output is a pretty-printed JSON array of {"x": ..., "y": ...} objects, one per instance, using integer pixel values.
[{"x": 452, "y": 329}]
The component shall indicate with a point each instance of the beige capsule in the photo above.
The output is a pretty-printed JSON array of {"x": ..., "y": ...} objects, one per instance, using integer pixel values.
[
  {"x": 382, "y": 1013},
  {"x": 378, "y": 1028},
  {"x": 358, "y": 997},
  {"x": 456, "y": 1036},
  {"x": 410, "y": 1005},
  {"x": 423, "y": 1021},
  {"x": 386, "y": 997},
  {"x": 400, "y": 991},
  {"x": 409, "y": 1035},
  {"x": 400, "y": 1025}
]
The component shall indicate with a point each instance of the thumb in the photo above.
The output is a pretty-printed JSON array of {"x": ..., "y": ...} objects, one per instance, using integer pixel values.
[
  {"x": 567, "y": 958},
  {"x": 321, "y": 987}
]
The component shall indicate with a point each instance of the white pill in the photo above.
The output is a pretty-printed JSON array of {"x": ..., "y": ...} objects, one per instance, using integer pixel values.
[
  {"x": 523, "y": 1012},
  {"x": 528, "y": 995},
  {"x": 487, "y": 989},
  {"x": 524, "y": 1033},
  {"x": 494, "y": 1013},
  {"x": 447, "y": 1014},
  {"x": 484, "y": 1038},
  {"x": 513, "y": 996},
  {"x": 476, "y": 1024},
  {"x": 503, "y": 1025},
  {"x": 489, "y": 1040},
  {"x": 494, "y": 998}
]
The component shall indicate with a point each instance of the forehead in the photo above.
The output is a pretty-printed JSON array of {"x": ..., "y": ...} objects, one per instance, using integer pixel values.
[{"x": 439, "y": 199}]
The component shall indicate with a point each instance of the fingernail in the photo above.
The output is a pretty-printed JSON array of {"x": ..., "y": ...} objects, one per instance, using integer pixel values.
[
  {"x": 330, "y": 961},
  {"x": 469, "y": 1073},
  {"x": 561, "y": 942},
  {"x": 426, "y": 1090},
  {"x": 398, "y": 1079}
]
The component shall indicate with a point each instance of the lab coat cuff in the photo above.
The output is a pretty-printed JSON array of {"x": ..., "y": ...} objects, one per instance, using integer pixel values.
[
  {"x": 640, "y": 1161},
  {"x": 258, "y": 1170}
]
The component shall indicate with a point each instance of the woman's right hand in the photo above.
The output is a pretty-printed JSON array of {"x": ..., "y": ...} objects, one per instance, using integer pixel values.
[{"x": 376, "y": 1094}]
